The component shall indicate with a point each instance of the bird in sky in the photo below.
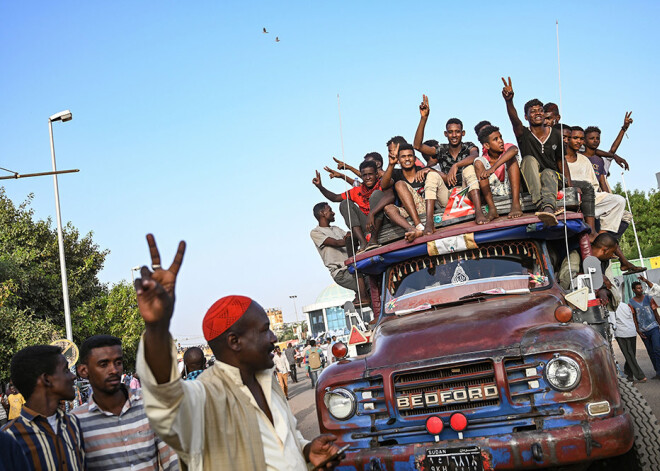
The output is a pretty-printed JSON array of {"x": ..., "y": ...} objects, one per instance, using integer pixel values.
[
  {"x": 277, "y": 39},
  {"x": 265, "y": 31}
]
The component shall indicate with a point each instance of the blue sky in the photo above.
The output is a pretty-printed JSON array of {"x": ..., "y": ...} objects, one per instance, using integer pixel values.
[{"x": 192, "y": 124}]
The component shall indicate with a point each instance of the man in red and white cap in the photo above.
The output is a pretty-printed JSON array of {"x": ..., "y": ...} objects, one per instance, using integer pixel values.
[{"x": 234, "y": 416}]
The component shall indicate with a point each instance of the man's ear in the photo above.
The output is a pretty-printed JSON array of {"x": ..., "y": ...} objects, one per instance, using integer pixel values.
[
  {"x": 44, "y": 380},
  {"x": 487, "y": 145},
  {"x": 82, "y": 371},
  {"x": 446, "y": 135},
  {"x": 234, "y": 342},
  {"x": 463, "y": 133}
]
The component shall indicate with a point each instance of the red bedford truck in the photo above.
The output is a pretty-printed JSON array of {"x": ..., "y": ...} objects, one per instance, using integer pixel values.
[{"x": 476, "y": 362}]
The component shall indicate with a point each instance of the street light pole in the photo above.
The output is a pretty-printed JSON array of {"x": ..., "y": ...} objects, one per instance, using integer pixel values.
[
  {"x": 62, "y": 116},
  {"x": 295, "y": 309},
  {"x": 134, "y": 269}
]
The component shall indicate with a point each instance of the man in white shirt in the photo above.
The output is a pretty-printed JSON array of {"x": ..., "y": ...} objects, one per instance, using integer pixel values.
[
  {"x": 233, "y": 416},
  {"x": 282, "y": 370}
]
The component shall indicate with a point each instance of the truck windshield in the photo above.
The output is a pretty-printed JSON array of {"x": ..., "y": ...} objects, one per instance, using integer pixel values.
[{"x": 504, "y": 267}]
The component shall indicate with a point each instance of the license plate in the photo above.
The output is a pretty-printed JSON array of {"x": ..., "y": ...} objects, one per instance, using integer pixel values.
[{"x": 455, "y": 459}]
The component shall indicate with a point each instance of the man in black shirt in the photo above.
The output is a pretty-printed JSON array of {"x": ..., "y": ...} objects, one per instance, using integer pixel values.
[{"x": 541, "y": 150}]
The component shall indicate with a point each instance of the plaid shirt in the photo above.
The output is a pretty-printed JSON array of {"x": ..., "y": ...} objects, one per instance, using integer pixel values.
[
  {"x": 45, "y": 449},
  {"x": 123, "y": 442},
  {"x": 446, "y": 161}
]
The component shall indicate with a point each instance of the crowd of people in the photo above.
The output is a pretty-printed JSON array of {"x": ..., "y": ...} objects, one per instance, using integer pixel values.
[
  {"x": 409, "y": 190},
  {"x": 236, "y": 414}
]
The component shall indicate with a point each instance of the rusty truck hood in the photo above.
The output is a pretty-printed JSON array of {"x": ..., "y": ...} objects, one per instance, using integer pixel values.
[{"x": 490, "y": 324}]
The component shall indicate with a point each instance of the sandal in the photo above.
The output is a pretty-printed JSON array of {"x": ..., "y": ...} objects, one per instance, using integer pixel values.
[
  {"x": 559, "y": 211},
  {"x": 635, "y": 270},
  {"x": 371, "y": 246},
  {"x": 547, "y": 218}
]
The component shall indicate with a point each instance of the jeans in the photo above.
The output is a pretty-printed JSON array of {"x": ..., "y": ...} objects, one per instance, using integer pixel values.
[
  {"x": 542, "y": 185},
  {"x": 652, "y": 344},
  {"x": 628, "y": 346},
  {"x": 314, "y": 376}
]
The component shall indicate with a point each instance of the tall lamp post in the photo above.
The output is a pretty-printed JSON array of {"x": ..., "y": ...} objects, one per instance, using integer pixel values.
[
  {"x": 61, "y": 116},
  {"x": 295, "y": 309}
]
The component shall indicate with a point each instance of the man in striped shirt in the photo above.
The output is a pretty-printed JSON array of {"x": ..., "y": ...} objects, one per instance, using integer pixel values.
[
  {"x": 49, "y": 438},
  {"x": 115, "y": 427}
]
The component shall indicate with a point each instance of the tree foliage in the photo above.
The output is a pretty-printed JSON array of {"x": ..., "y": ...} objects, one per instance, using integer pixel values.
[
  {"x": 31, "y": 305},
  {"x": 646, "y": 211}
]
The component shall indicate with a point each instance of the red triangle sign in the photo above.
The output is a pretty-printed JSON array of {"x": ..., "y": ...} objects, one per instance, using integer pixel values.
[{"x": 356, "y": 337}]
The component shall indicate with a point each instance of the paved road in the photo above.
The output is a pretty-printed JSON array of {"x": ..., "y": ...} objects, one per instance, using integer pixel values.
[{"x": 303, "y": 403}]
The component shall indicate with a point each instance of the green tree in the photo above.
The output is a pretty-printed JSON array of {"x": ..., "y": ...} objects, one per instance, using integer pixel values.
[
  {"x": 31, "y": 307},
  {"x": 646, "y": 211}
]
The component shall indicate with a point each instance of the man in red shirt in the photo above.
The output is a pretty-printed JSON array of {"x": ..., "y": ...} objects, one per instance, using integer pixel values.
[{"x": 361, "y": 206}]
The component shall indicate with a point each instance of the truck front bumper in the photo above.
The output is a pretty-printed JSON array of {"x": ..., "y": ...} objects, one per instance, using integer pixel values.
[{"x": 589, "y": 441}]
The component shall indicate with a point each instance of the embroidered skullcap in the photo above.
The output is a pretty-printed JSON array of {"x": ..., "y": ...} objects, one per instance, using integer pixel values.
[{"x": 222, "y": 315}]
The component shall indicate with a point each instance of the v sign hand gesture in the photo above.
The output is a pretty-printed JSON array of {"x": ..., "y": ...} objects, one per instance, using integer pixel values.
[
  {"x": 507, "y": 91},
  {"x": 155, "y": 290}
]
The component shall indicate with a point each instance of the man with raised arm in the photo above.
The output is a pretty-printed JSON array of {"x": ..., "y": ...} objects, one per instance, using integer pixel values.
[
  {"x": 234, "y": 416},
  {"x": 541, "y": 150},
  {"x": 355, "y": 205},
  {"x": 418, "y": 189},
  {"x": 453, "y": 160}
]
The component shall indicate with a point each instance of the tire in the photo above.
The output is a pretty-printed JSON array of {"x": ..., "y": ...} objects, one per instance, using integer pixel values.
[{"x": 645, "y": 452}]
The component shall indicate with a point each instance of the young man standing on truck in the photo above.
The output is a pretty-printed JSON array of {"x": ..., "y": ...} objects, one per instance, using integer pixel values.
[
  {"x": 498, "y": 156},
  {"x": 541, "y": 150},
  {"x": 647, "y": 322},
  {"x": 454, "y": 159},
  {"x": 331, "y": 241}
]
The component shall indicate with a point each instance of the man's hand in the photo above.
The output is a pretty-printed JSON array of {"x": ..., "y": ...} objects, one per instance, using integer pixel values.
[
  {"x": 317, "y": 180},
  {"x": 347, "y": 236},
  {"x": 340, "y": 165},
  {"x": 451, "y": 176},
  {"x": 621, "y": 162},
  {"x": 394, "y": 154},
  {"x": 371, "y": 221},
  {"x": 507, "y": 91},
  {"x": 333, "y": 173},
  {"x": 420, "y": 176},
  {"x": 155, "y": 290},
  {"x": 320, "y": 449},
  {"x": 424, "y": 109},
  {"x": 627, "y": 121},
  {"x": 485, "y": 174}
]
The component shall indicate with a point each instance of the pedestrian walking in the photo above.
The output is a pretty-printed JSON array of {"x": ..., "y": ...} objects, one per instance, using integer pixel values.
[
  {"x": 626, "y": 336},
  {"x": 282, "y": 370},
  {"x": 313, "y": 359},
  {"x": 290, "y": 353},
  {"x": 647, "y": 323}
]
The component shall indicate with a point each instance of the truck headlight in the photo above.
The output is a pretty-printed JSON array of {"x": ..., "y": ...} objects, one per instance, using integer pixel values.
[
  {"x": 563, "y": 373},
  {"x": 340, "y": 403}
]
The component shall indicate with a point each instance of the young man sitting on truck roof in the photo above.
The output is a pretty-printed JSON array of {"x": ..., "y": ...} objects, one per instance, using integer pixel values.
[
  {"x": 361, "y": 205},
  {"x": 541, "y": 148},
  {"x": 600, "y": 158},
  {"x": 498, "y": 156},
  {"x": 608, "y": 218},
  {"x": 418, "y": 189},
  {"x": 331, "y": 241},
  {"x": 453, "y": 160}
]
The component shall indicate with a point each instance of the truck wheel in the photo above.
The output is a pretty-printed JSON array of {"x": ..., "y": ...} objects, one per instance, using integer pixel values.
[{"x": 645, "y": 452}]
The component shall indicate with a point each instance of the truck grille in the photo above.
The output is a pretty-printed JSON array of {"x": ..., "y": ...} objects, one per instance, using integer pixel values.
[{"x": 445, "y": 389}]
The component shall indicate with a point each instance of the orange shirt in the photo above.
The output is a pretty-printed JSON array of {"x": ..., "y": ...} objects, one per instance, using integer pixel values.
[{"x": 16, "y": 402}]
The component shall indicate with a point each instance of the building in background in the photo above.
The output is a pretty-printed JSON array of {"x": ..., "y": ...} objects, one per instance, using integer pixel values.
[
  {"x": 275, "y": 318},
  {"x": 327, "y": 316}
]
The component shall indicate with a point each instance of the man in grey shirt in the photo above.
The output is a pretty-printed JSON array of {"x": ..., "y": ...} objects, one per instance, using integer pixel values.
[
  {"x": 331, "y": 241},
  {"x": 290, "y": 353}
]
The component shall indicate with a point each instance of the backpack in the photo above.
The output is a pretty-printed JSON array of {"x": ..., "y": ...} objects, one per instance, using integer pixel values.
[{"x": 314, "y": 359}]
